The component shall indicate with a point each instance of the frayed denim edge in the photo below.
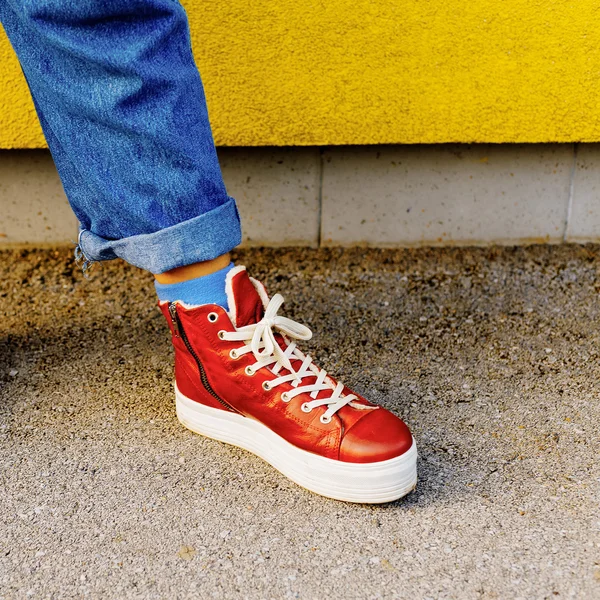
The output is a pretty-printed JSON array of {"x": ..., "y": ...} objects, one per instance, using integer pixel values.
[{"x": 81, "y": 259}]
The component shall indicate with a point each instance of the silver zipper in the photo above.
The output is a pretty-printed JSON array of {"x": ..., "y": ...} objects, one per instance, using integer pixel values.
[{"x": 180, "y": 333}]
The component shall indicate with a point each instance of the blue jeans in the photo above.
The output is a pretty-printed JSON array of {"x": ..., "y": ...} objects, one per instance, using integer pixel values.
[{"x": 123, "y": 110}]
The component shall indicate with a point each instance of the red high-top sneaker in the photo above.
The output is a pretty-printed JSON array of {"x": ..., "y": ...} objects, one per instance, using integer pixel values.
[{"x": 241, "y": 379}]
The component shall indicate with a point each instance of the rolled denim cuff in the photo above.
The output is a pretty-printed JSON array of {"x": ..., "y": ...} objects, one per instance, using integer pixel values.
[{"x": 202, "y": 238}]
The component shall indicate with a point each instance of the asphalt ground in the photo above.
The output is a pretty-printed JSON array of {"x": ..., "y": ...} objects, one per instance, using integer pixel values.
[{"x": 490, "y": 355}]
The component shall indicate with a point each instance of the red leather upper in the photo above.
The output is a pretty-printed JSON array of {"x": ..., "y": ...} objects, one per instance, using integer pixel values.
[{"x": 357, "y": 435}]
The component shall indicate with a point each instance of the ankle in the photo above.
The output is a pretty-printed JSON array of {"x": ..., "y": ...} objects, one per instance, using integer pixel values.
[{"x": 194, "y": 271}]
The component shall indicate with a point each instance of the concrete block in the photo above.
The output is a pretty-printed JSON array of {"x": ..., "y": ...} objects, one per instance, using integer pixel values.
[
  {"x": 34, "y": 208},
  {"x": 445, "y": 194},
  {"x": 277, "y": 190},
  {"x": 584, "y": 221}
]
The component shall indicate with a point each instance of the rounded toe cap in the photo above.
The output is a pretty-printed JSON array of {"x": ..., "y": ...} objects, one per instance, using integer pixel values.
[{"x": 379, "y": 435}]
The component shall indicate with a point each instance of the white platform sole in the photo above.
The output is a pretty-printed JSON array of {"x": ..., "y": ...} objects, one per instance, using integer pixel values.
[{"x": 371, "y": 483}]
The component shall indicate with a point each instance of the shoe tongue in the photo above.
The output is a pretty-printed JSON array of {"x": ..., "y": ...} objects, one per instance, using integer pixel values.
[
  {"x": 246, "y": 308},
  {"x": 245, "y": 304}
]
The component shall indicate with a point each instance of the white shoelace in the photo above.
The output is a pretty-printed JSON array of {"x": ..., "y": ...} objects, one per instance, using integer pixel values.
[{"x": 260, "y": 340}]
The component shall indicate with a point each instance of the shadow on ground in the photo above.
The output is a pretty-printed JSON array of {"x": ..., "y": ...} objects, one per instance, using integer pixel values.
[{"x": 491, "y": 355}]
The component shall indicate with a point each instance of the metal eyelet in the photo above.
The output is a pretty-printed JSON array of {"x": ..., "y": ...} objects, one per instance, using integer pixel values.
[
  {"x": 305, "y": 408},
  {"x": 266, "y": 386},
  {"x": 249, "y": 371},
  {"x": 325, "y": 419},
  {"x": 221, "y": 334},
  {"x": 285, "y": 397},
  {"x": 233, "y": 354},
  {"x": 212, "y": 317}
]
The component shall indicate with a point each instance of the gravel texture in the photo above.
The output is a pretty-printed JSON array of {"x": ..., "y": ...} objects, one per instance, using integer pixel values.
[{"x": 490, "y": 355}]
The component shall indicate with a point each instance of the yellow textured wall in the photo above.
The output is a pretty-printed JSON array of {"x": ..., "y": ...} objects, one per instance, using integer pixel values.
[{"x": 290, "y": 72}]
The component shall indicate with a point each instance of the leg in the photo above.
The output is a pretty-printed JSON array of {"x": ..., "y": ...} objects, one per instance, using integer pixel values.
[{"x": 123, "y": 110}]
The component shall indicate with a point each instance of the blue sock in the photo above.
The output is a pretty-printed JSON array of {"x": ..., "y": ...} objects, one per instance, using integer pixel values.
[{"x": 209, "y": 289}]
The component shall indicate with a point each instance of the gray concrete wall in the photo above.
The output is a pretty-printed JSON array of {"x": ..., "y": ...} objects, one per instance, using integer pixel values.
[{"x": 372, "y": 195}]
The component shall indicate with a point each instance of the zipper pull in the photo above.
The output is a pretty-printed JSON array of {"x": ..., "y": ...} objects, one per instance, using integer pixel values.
[{"x": 174, "y": 318}]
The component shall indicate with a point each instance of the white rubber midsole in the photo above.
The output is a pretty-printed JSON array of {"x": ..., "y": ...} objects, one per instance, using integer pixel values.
[{"x": 352, "y": 482}]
